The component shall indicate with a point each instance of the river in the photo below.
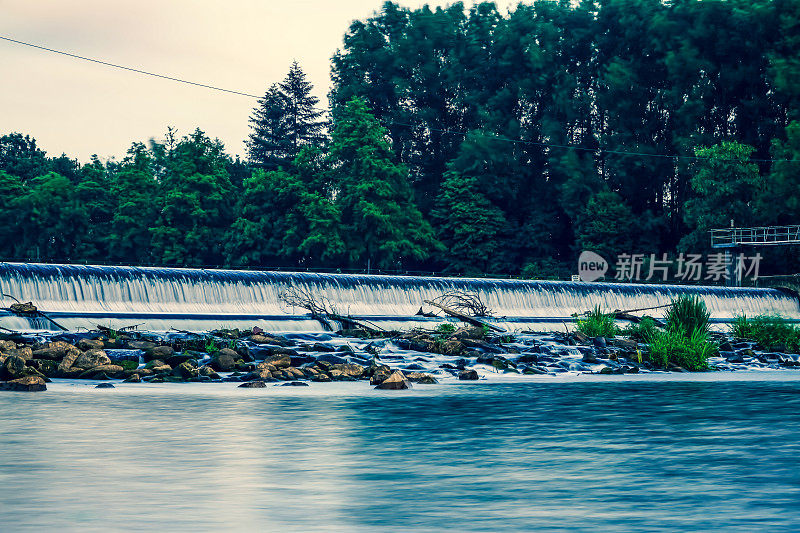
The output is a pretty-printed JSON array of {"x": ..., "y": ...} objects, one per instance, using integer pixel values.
[{"x": 715, "y": 451}]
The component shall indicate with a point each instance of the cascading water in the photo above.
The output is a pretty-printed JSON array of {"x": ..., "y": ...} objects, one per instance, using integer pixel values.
[{"x": 162, "y": 298}]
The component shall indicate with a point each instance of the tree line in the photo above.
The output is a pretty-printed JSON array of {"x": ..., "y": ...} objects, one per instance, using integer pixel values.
[{"x": 470, "y": 141}]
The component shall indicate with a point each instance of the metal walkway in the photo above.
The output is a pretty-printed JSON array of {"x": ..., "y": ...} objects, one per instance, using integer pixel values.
[{"x": 761, "y": 236}]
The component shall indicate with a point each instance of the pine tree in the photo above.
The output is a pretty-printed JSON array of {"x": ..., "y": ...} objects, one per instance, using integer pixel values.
[
  {"x": 304, "y": 122},
  {"x": 382, "y": 225},
  {"x": 285, "y": 120},
  {"x": 268, "y": 147}
]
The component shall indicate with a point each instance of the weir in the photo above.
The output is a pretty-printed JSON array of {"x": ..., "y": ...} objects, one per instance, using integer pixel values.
[{"x": 79, "y": 296}]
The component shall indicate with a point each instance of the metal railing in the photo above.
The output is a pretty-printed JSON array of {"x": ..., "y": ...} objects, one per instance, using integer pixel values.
[{"x": 759, "y": 236}]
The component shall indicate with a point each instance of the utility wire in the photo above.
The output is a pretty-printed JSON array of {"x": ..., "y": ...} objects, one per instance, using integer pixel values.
[
  {"x": 122, "y": 67},
  {"x": 448, "y": 131}
]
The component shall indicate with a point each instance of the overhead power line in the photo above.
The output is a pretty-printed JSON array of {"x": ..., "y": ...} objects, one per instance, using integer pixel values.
[
  {"x": 448, "y": 131},
  {"x": 131, "y": 69}
]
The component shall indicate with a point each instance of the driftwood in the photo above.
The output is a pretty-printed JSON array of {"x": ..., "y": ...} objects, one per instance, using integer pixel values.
[
  {"x": 466, "y": 303},
  {"x": 29, "y": 310},
  {"x": 464, "y": 318},
  {"x": 322, "y": 310}
]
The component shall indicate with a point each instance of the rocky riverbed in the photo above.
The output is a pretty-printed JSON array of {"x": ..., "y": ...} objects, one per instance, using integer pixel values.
[{"x": 396, "y": 360}]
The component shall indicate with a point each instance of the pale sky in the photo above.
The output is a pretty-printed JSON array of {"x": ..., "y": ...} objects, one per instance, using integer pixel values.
[{"x": 82, "y": 108}]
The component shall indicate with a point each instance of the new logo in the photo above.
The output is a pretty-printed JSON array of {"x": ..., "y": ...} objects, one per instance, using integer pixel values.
[{"x": 591, "y": 266}]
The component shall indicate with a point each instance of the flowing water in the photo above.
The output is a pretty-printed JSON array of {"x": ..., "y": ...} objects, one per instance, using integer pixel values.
[
  {"x": 710, "y": 452},
  {"x": 161, "y": 298}
]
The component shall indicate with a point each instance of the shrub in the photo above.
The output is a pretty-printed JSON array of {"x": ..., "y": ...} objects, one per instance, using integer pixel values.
[
  {"x": 676, "y": 347},
  {"x": 445, "y": 329},
  {"x": 645, "y": 330},
  {"x": 769, "y": 332},
  {"x": 688, "y": 314},
  {"x": 598, "y": 324}
]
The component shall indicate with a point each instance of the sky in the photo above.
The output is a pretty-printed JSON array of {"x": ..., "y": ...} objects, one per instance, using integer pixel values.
[{"x": 80, "y": 108}]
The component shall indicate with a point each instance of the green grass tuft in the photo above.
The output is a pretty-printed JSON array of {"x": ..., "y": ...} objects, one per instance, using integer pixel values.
[
  {"x": 598, "y": 324},
  {"x": 688, "y": 314},
  {"x": 769, "y": 331}
]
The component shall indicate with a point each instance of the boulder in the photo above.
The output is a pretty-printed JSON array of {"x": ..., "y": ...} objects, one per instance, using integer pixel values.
[
  {"x": 162, "y": 352},
  {"x": 294, "y": 384},
  {"x": 56, "y": 350},
  {"x": 134, "y": 378},
  {"x": 104, "y": 386},
  {"x": 186, "y": 370},
  {"x": 27, "y": 384},
  {"x": 379, "y": 374},
  {"x": 91, "y": 359},
  {"x": 629, "y": 345},
  {"x": 397, "y": 381},
  {"x": 101, "y": 370},
  {"x": 270, "y": 339},
  {"x": 5, "y": 346},
  {"x": 68, "y": 360},
  {"x": 350, "y": 369},
  {"x": 46, "y": 366},
  {"x": 224, "y": 361},
  {"x": 208, "y": 372},
  {"x": 24, "y": 352},
  {"x": 145, "y": 346},
  {"x": 419, "y": 377},
  {"x": 468, "y": 375},
  {"x": 321, "y": 378},
  {"x": 331, "y": 359},
  {"x": 279, "y": 361},
  {"x": 90, "y": 344},
  {"x": 253, "y": 385},
  {"x": 13, "y": 368}
]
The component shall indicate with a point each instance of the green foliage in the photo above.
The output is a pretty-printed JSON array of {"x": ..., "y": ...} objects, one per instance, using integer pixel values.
[
  {"x": 689, "y": 315},
  {"x": 210, "y": 346},
  {"x": 643, "y": 331},
  {"x": 445, "y": 329},
  {"x": 381, "y": 224},
  {"x": 128, "y": 365},
  {"x": 597, "y": 324},
  {"x": 604, "y": 225},
  {"x": 677, "y": 348},
  {"x": 770, "y": 332}
]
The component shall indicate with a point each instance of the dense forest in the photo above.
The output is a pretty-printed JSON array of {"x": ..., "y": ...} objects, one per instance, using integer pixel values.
[{"x": 466, "y": 141}]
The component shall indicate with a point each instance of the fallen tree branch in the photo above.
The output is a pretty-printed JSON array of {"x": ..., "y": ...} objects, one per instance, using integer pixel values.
[
  {"x": 464, "y": 318},
  {"x": 322, "y": 309},
  {"x": 467, "y": 303}
]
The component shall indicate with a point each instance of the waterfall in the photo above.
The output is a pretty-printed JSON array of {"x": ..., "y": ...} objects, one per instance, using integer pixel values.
[{"x": 160, "y": 298}]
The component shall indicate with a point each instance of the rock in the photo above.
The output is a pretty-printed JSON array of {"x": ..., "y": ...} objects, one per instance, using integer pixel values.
[
  {"x": 397, "y": 381},
  {"x": 208, "y": 371},
  {"x": 186, "y": 370},
  {"x": 90, "y": 344},
  {"x": 161, "y": 369},
  {"x": 46, "y": 366},
  {"x": 162, "y": 352},
  {"x": 106, "y": 370},
  {"x": 629, "y": 345},
  {"x": 468, "y": 375},
  {"x": 104, "y": 386},
  {"x": 13, "y": 368},
  {"x": 5, "y": 346},
  {"x": 24, "y": 308},
  {"x": 133, "y": 379},
  {"x": 279, "y": 361},
  {"x": 270, "y": 339},
  {"x": 350, "y": 369},
  {"x": 589, "y": 357},
  {"x": 24, "y": 352},
  {"x": 599, "y": 342},
  {"x": 294, "y": 384},
  {"x": 732, "y": 357},
  {"x": 606, "y": 370},
  {"x": 69, "y": 360},
  {"x": 224, "y": 361},
  {"x": 91, "y": 359},
  {"x": 253, "y": 385},
  {"x": 54, "y": 350},
  {"x": 27, "y": 384},
  {"x": 419, "y": 377},
  {"x": 533, "y": 370},
  {"x": 379, "y": 374},
  {"x": 145, "y": 346},
  {"x": 321, "y": 378},
  {"x": 580, "y": 338},
  {"x": 331, "y": 359}
]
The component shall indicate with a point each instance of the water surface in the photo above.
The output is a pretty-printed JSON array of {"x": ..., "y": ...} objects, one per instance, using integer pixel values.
[{"x": 617, "y": 453}]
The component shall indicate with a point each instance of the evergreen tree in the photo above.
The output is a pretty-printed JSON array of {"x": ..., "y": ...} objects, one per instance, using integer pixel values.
[
  {"x": 197, "y": 204},
  {"x": 137, "y": 208},
  {"x": 382, "y": 226},
  {"x": 11, "y": 214},
  {"x": 285, "y": 120},
  {"x": 269, "y": 146}
]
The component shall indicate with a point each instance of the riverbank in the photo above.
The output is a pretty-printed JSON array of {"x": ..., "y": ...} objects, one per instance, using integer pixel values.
[{"x": 388, "y": 360}]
